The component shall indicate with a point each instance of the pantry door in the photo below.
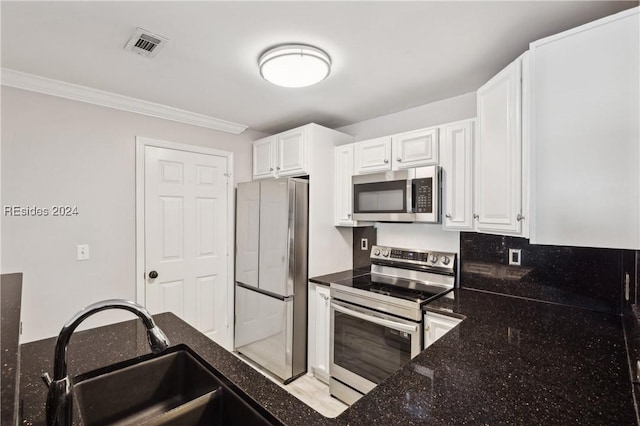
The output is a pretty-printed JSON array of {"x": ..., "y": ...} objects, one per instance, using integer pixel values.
[{"x": 186, "y": 238}]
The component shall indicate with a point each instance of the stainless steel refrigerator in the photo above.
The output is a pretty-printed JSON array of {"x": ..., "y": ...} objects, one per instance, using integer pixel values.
[{"x": 272, "y": 228}]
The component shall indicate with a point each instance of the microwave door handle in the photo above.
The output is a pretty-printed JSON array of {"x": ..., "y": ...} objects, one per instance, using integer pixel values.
[
  {"x": 380, "y": 321},
  {"x": 410, "y": 188}
]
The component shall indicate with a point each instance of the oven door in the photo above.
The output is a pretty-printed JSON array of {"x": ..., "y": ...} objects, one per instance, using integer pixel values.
[{"x": 368, "y": 346}]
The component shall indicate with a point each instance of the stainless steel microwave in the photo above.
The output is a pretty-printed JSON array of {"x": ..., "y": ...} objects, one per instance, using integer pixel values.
[{"x": 411, "y": 195}]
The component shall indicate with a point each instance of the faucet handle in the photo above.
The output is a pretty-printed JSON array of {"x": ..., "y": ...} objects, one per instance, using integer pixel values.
[{"x": 46, "y": 379}]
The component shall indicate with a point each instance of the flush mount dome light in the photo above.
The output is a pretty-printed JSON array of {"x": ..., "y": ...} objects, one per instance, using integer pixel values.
[{"x": 295, "y": 65}]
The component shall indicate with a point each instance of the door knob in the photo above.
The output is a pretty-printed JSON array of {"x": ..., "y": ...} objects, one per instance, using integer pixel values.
[{"x": 153, "y": 274}]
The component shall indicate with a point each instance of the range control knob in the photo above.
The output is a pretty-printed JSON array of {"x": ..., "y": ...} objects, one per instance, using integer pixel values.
[
  {"x": 434, "y": 258},
  {"x": 385, "y": 253},
  {"x": 376, "y": 252},
  {"x": 446, "y": 260}
]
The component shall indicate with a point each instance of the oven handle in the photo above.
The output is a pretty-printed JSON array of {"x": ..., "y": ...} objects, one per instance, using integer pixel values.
[{"x": 380, "y": 321}]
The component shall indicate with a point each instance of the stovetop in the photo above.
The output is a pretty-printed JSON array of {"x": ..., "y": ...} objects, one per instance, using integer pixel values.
[{"x": 413, "y": 291}]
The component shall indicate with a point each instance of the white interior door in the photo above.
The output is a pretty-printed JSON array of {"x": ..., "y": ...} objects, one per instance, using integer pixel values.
[{"x": 185, "y": 238}]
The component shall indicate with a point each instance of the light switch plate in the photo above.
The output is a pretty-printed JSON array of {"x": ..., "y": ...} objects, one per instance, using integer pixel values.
[{"x": 82, "y": 252}]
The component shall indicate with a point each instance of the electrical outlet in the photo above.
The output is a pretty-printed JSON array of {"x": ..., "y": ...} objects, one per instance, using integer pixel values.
[
  {"x": 515, "y": 256},
  {"x": 364, "y": 244},
  {"x": 82, "y": 252}
]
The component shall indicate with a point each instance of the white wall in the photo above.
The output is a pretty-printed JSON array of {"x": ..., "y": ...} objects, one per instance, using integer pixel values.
[
  {"x": 433, "y": 114},
  {"x": 414, "y": 235},
  {"x": 58, "y": 151},
  {"x": 418, "y": 235}
]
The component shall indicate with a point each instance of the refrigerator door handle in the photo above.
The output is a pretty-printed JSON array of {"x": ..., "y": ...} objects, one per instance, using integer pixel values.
[{"x": 266, "y": 293}]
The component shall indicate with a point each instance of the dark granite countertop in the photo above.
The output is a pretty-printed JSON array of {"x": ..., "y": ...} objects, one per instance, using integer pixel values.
[
  {"x": 338, "y": 276},
  {"x": 511, "y": 361}
]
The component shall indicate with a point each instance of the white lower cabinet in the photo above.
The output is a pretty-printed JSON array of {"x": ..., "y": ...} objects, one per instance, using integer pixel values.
[
  {"x": 436, "y": 326},
  {"x": 319, "y": 331}
]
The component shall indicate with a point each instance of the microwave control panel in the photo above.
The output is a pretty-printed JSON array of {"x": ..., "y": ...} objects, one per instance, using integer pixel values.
[{"x": 423, "y": 195}]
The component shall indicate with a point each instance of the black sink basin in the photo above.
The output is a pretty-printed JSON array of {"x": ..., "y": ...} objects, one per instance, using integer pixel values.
[{"x": 173, "y": 388}]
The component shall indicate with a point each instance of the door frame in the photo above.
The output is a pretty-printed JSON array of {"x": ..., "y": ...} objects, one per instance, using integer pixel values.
[{"x": 141, "y": 144}]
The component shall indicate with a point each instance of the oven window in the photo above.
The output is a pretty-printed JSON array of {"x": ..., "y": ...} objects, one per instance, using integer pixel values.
[
  {"x": 369, "y": 350},
  {"x": 381, "y": 197}
]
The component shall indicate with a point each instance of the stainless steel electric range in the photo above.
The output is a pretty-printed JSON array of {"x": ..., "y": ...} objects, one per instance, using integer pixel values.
[{"x": 376, "y": 319}]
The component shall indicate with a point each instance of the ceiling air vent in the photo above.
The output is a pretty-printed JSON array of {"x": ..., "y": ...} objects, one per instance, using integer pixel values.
[{"x": 146, "y": 43}]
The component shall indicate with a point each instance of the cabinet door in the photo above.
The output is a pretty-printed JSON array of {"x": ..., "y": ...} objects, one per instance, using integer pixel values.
[
  {"x": 343, "y": 185},
  {"x": 372, "y": 156},
  {"x": 498, "y": 154},
  {"x": 456, "y": 147},
  {"x": 292, "y": 153},
  {"x": 264, "y": 158},
  {"x": 322, "y": 333},
  {"x": 586, "y": 133},
  {"x": 436, "y": 326},
  {"x": 414, "y": 149}
]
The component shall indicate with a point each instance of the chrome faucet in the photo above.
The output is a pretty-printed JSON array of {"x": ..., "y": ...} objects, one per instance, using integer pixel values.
[{"x": 59, "y": 398}]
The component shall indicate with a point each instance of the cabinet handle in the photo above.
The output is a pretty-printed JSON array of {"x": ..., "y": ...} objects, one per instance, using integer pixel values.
[
  {"x": 475, "y": 216},
  {"x": 278, "y": 168},
  {"x": 270, "y": 169},
  {"x": 349, "y": 215},
  {"x": 386, "y": 161},
  {"x": 448, "y": 215},
  {"x": 399, "y": 160},
  {"x": 519, "y": 217},
  {"x": 325, "y": 297}
]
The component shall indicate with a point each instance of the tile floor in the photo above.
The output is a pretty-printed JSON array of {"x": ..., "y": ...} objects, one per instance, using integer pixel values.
[{"x": 307, "y": 389}]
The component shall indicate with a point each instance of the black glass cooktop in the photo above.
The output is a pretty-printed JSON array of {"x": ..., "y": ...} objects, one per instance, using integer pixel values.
[{"x": 396, "y": 287}]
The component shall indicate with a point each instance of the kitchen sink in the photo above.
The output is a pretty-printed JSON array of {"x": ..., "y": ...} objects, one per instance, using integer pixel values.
[{"x": 175, "y": 387}]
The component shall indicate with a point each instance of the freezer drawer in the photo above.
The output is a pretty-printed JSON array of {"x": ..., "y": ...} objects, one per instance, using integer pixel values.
[{"x": 264, "y": 330}]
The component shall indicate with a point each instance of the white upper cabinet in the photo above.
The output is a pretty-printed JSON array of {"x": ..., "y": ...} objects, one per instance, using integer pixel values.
[
  {"x": 586, "y": 135},
  {"x": 344, "y": 187},
  {"x": 414, "y": 149},
  {"x": 499, "y": 204},
  {"x": 456, "y": 159},
  {"x": 372, "y": 156},
  {"x": 284, "y": 154},
  {"x": 264, "y": 158},
  {"x": 292, "y": 152},
  {"x": 411, "y": 149}
]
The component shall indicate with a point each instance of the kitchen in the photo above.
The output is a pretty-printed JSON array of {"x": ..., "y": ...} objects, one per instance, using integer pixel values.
[{"x": 64, "y": 160}]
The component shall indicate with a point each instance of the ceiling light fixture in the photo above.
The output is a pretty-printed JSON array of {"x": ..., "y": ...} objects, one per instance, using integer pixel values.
[{"x": 295, "y": 65}]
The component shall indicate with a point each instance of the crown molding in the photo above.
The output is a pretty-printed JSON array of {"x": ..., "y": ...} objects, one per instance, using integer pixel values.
[{"x": 48, "y": 86}]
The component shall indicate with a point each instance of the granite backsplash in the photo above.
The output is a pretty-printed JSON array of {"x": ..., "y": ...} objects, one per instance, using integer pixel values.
[
  {"x": 362, "y": 257},
  {"x": 589, "y": 278}
]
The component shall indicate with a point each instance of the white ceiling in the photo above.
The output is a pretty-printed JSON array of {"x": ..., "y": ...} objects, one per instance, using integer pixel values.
[{"x": 387, "y": 56}]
